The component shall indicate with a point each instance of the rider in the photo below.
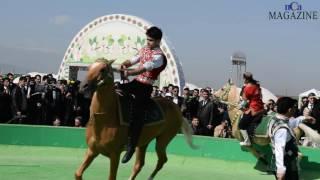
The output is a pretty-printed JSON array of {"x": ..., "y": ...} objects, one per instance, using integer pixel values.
[
  {"x": 151, "y": 61},
  {"x": 251, "y": 105}
]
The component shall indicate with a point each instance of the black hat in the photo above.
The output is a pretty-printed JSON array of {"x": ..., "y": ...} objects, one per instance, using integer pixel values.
[{"x": 311, "y": 94}]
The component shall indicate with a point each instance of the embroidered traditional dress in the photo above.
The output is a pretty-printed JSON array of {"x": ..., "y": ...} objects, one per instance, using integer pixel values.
[{"x": 146, "y": 55}]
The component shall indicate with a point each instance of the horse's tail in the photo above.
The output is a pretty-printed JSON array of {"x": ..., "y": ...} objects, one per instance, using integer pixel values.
[
  {"x": 312, "y": 134},
  {"x": 187, "y": 131}
]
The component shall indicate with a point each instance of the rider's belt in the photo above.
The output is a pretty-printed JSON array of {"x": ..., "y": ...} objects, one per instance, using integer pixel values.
[{"x": 145, "y": 80}]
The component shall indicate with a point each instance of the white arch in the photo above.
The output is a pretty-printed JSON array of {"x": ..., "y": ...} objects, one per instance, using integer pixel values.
[{"x": 116, "y": 36}]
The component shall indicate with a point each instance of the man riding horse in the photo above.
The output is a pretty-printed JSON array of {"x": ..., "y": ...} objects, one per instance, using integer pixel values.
[{"x": 151, "y": 62}]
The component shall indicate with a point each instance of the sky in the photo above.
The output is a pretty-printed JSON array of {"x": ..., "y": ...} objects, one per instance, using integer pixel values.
[{"x": 282, "y": 54}]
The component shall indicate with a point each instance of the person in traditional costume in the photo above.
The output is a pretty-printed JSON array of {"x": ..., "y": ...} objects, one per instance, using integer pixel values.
[
  {"x": 151, "y": 62},
  {"x": 251, "y": 105}
]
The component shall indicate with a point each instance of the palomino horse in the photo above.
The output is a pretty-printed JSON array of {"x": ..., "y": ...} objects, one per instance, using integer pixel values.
[
  {"x": 104, "y": 135},
  {"x": 229, "y": 95}
]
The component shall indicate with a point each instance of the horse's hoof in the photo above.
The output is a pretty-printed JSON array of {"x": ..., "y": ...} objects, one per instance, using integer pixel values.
[{"x": 77, "y": 177}]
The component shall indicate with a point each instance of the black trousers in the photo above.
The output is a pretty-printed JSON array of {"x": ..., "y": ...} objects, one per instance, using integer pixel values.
[
  {"x": 142, "y": 93},
  {"x": 245, "y": 121},
  {"x": 249, "y": 123},
  {"x": 291, "y": 168},
  {"x": 139, "y": 90}
]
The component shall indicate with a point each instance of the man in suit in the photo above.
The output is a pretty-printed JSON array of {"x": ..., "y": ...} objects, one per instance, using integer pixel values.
[
  {"x": 207, "y": 115},
  {"x": 5, "y": 101},
  {"x": 175, "y": 96},
  {"x": 19, "y": 100}
]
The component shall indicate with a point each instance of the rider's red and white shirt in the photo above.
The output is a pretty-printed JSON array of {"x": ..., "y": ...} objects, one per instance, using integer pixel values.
[{"x": 153, "y": 60}]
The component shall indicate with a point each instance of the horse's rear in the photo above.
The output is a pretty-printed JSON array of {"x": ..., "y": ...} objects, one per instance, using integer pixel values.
[{"x": 163, "y": 133}]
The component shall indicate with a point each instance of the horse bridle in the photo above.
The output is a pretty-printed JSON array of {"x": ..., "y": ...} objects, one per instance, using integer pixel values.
[
  {"x": 225, "y": 94},
  {"x": 224, "y": 98},
  {"x": 106, "y": 74}
]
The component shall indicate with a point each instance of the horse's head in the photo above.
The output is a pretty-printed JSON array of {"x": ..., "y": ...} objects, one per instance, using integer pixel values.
[
  {"x": 100, "y": 73},
  {"x": 222, "y": 93}
]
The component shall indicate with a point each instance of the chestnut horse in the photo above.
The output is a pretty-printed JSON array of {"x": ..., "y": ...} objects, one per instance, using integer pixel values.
[
  {"x": 229, "y": 95},
  {"x": 105, "y": 135}
]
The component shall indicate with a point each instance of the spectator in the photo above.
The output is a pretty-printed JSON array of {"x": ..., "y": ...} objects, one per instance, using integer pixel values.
[
  {"x": 195, "y": 94},
  {"x": 178, "y": 100},
  {"x": 56, "y": 122},
  {"x": 186, "y": 104},
  {"x": 78, "y": 121},
  {"x": 270, "y": 107},
  {"x": 207, "y": 114},
  {"x": 312, "y": 108},
  {"x": 155, "y": 91},
  {"x": 304, "y": 102},
  {"x": 170, "y": 87},
  {"x": 221, "y": 130},
  {"x": 195, "y": 126},
  {"x": 164, "y": 91},
  {"x": 19, "y": 101},
  {"x": 5, "y": 101}
]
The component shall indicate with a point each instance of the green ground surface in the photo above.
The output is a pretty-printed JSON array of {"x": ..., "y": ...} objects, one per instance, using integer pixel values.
[{"x": 56, "y": 163}]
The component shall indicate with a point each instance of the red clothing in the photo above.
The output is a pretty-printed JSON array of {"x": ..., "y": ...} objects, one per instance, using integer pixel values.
[
  {"x": 146, "y": 54},
  {"x": 252, "y": 93}
]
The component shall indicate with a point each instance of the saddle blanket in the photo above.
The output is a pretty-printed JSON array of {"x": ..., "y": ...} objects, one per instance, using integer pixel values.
[{"x": 152, "y": 111}]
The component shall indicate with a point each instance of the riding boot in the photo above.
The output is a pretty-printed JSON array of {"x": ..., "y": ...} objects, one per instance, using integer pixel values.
[
  {"x": 129, "y": 152},
  {"x": 246, "y": 141},
  {"x": 132, "y": 142},
  {"x": 134, "y": 134}
]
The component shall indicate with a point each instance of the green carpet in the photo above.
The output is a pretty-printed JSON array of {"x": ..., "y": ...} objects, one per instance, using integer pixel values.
[{"x": 52, "y": 163}]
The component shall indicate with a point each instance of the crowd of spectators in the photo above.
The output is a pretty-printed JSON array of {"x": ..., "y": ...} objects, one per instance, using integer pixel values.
[
  {"x": 42, "y": 100},
  {"x": 47, "y": 101}
]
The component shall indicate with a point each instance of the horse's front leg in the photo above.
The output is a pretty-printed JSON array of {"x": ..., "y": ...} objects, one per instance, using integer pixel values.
[
  {"x": 89, "y": 157},
  {"x": 114, "y": 164}
]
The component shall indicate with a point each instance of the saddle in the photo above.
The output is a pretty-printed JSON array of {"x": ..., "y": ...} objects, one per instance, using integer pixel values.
[
  {"x": 150, "y": 109},
  {"x": 261, "y": 129}
]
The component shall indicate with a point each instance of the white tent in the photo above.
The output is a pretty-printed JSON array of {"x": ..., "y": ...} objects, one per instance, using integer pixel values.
[
  {"x": 191, "y": 86},
  {"x": 306, "y": 93},
  {"x": 266, "y": 95}
]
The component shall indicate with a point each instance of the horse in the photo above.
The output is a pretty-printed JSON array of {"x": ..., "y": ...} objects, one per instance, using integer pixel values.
[
  {"x": 229, "y": 95},
  {"x": 105, "y": 135}
]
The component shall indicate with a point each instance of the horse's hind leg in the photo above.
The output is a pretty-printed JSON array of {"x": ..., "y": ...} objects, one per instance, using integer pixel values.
[
  {"x": 89, "y": 157},
  {"x": 140, "y": 159},
  {"x": 161, "y": 146}
]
